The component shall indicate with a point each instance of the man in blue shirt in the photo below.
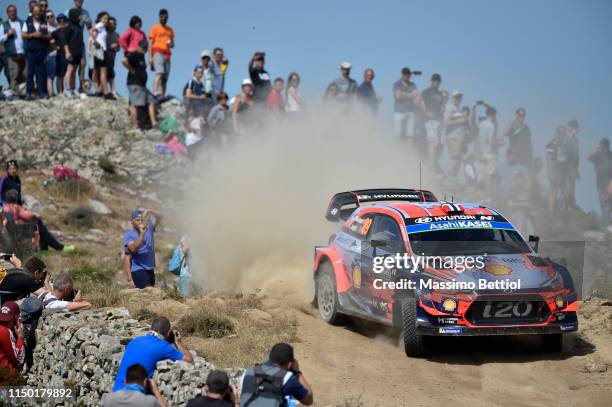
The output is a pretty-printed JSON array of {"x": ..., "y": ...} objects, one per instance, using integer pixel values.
[
  {"x": 139, "y": 244},
  {"x": 149, "y": 349}
]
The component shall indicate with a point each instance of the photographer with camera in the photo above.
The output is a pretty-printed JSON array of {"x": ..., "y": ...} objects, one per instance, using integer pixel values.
[
  {"x": 262, "y": 84},
  {"x": 219, "y": 393},
  {"x": 18, "y": 281},
  {"x": 278, "y": 378},
  {"x": 63, "y": 296},
  {"x": 151, "y": 348},
  {"x": 134, "y": 392}
]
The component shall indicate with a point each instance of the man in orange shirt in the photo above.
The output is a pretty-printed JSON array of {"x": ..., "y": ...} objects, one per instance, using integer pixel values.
[{"x": 162, "y": 39}]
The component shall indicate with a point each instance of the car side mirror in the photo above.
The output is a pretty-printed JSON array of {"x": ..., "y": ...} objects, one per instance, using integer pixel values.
[{"x": 535, "y": 242}]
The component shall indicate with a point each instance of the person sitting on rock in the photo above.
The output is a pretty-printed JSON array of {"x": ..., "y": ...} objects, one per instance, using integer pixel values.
[
  {"x": 19, "y": 281},
  {"x": 219, "y": 393},
  {"x": 10, "y": 181},
  {"x": 134, "y": 392},
  {"x": 12, "y": 346},
  {"x": 17, "y": 214},
  {"x": 149, "y": 349},
  {"x": 63, "y": 289}
]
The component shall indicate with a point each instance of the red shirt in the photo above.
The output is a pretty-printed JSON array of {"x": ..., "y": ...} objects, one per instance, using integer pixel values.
[
  {"x": 275, "y": 101},
  {"x": 129, "y": 40},
  {"x": 12, "y": 351},
  {"x": 20, "y": 215}
]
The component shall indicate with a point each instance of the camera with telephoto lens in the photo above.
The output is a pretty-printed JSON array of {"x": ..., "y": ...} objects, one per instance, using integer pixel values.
[{"x": 416, "y": 73}]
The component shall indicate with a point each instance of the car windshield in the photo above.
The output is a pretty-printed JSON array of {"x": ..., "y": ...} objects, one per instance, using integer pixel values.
[{"x": 457, "y": 242}]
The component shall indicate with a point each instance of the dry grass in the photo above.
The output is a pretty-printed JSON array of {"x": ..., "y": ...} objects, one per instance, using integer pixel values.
[
  {"x": 71, "y": 189},
  {"x": 206, "y": 322}
]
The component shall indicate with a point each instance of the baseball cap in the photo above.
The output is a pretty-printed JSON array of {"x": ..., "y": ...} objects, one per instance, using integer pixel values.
[
  {"x": 217, "y": 381},
  {"x": 197, "y": 66},
  {"x": 136, "y": 213},
  {"x": 247, "y": 82},
  {"x": 456, "y": 93},
  {"x": 8, "y": 311},
  {"x": 406, "y": 71},
  {"x": 345, "y": 65},
  {"x": 436, "y": 77},
  {"x": 60, "y": 16},
  {"x": 205, "y": 53}
]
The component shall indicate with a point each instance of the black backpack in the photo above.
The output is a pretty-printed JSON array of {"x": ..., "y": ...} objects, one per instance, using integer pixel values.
[
  {"x": 263, "y": 387},
  {"x": 31, "y": 311}
]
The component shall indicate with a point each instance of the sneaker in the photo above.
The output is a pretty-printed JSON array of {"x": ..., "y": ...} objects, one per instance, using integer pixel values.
[
  {"x": 43, "y": 96},
  {"x": 110, "y": 96},
  {"x": 68, "y": 248},
  {"x": 29, "y": 97}
]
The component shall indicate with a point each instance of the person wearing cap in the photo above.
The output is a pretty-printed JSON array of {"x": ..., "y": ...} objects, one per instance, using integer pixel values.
[
  {"x": 11, "y": 181},
  {"x": 366, "y": 93},
  {"x": 346, "y": 87},
  {"x": 405, "y": 96},
  {"x": 602, "y": 161},
  {"x": 60, "y": 40},
  {"x": 218, "y": 392},
  {"x": 569, "y": 164},
  {"x": 139, "y": 245},
  {"x": 195, "y": 95},
  {"x": 518, "y": 134},
  {"x": 134, "y": 393},
  {"x": 433, "y": 107},
  {"x": 162, "y": 41},
  {"x": 455, "y": 122},
  {"x": 259, "y": 77},
  {"x": 140, "y": 96},
  {"x": 282, "y": 369},
  {"x": 242, "y": 107},
  {"x": 12, "y": 345}
]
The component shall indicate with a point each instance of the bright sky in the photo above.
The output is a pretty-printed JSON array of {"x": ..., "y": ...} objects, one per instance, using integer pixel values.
[{"x": 551, "y": 56}]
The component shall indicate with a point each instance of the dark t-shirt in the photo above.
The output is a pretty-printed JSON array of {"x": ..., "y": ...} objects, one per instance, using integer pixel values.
[
  {"x": 602, "y": 161},
  {"x": 138, "y": 64},
  {"x": 434, "y": 103},
  {"x": 367, "y": 95},
  {"x": 18, "y": 284},
  {"x": 261, "y": 84},
  {"x": 404, "y": 105},
  {"x": 75, "y": 40},
  {"x": 205, "y": 401},
  {"x": 61, "y": 37}
]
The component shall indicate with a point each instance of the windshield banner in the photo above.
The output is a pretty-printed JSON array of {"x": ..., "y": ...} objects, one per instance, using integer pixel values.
[{"x": 458, "y": 224}]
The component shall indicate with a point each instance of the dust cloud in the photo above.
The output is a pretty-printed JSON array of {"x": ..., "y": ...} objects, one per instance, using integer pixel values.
[{"x": 257, "y": 208}]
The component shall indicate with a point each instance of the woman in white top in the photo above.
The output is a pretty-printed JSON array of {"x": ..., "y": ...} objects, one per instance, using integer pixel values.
[
  {"x": 292, "y": 94},
  {"x": 100, "y": 71}
]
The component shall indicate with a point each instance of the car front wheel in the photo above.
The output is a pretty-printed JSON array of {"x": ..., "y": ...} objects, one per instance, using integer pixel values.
[
  {"x": 412, "y": 339},
  {"x": 326, "y": 295}
]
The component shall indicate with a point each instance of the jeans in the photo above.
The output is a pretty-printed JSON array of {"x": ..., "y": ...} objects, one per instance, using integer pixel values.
[
  {"x": 37, "y": 65},
  {"x": 16, "y": 67}
]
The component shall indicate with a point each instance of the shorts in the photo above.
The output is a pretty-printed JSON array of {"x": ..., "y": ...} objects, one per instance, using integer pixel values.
[
  {"x": 143, "y": 278},
  {"x": 76, "y": 59},
  {"x": 405, "y": 125},
  {"x": 140, "y": 96},
  {"x": 161, "y": 65},
  {"x": 51, "y": 66},
  {"x": 62, "y": 64},
  {"x": 99, "y": 63},
  {"x": 432, "y": 127}
]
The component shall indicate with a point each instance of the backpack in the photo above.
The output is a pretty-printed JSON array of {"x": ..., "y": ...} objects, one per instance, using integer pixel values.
[
  {"x": 262, "y": 386},
  {"x": 31, "y": 311}
]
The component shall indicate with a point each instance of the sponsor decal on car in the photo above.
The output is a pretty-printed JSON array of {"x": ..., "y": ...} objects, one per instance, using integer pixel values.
[
  {"x": 450, "y": 330},
  {"x": 357, "y": 276},
  {"x": 460, "y": 224},
  {"x": 498, "y": 270},
  {"x": 445, "y": 218}
]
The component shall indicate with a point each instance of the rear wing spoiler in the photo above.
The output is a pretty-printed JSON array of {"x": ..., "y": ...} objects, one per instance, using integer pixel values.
[{"x": 344, "y": 203}]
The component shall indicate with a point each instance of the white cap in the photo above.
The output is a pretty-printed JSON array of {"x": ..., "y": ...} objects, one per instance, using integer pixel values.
[
  {"x": 205, "y": 53},
  {"x": 345, "y": 65},
  {"x": 247, "y": 82},
  {"x": 456, "y": 93}
]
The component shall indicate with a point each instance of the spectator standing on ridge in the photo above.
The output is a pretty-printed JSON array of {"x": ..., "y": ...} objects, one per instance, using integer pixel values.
[
  {"x": 51, "y": 64},
  {"x": 219, "y": 66},
  {"x": 208, "y": 78},
  {"x": 36, "y": 41},
  {"x": 259, "y": 77},
  {"x": 139, "y": 245},
  {"x": 14, "y": 52},
  {"x": 552, "y": 165},
  {"x": 519, "y": 138},
  {"x": 60, "y": 38},
  {"x": 242, "y": 107},
  {"x": 134, "y": 392},
  {"x": 505, "y": 176},
  {"x": 489, "y": 142},
  {"x": 433, "y": 103},
  {"x": 83, "y": 20},
  {"x": 63, "y": 288},
  {"x": 74, "y": 50},
  {"x": 137, "y": 84},
  {"x": 162, "y": 41},
  {"x": 282, "y": 371},
  {"x": 195, "y": 94},
  {"x": 130, "y": 39},
  {"x": 100, "y": 73},
  {"x": 602, "y": 161},
  {"x": 151, "y": 348},
  {"x": 112, "y": 47},
  {"x": 405, "y": 95},
  {"x": 10, "y": 181},
  {"x": 345, "y": 86},
  {"x": 20, "y": 215},
  {"x": 219, "y": 120},
  {"x": 293, "y": 98},
  {"x": 218, "y": 392},
  {"x": 275, "y": 103},
  {"x": 455, "y": 125},
  {"x": 366, "y": 93},
  {"x": 570, "y": 162},
  {"x": 12, "y": 346}
]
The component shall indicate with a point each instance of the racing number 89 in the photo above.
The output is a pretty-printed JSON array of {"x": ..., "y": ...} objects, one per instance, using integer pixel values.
[{"x": 507, "y": 309}]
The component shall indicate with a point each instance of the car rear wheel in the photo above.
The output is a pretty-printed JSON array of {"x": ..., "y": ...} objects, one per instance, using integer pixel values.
[
  {"x": 553, "y": 342},
  {"x": 326, "y": 295},
  {"x": 411, "y": 338}
]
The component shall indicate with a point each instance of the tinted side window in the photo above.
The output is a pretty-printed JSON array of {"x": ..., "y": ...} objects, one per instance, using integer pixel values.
[{"x": 386, "y": 228}]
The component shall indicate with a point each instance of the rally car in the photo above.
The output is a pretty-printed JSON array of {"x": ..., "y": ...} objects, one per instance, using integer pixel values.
[{"x": 378, "y": 267}]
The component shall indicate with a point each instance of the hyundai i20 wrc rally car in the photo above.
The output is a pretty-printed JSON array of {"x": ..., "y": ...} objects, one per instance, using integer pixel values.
[{"x": 378, "y": 267}]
